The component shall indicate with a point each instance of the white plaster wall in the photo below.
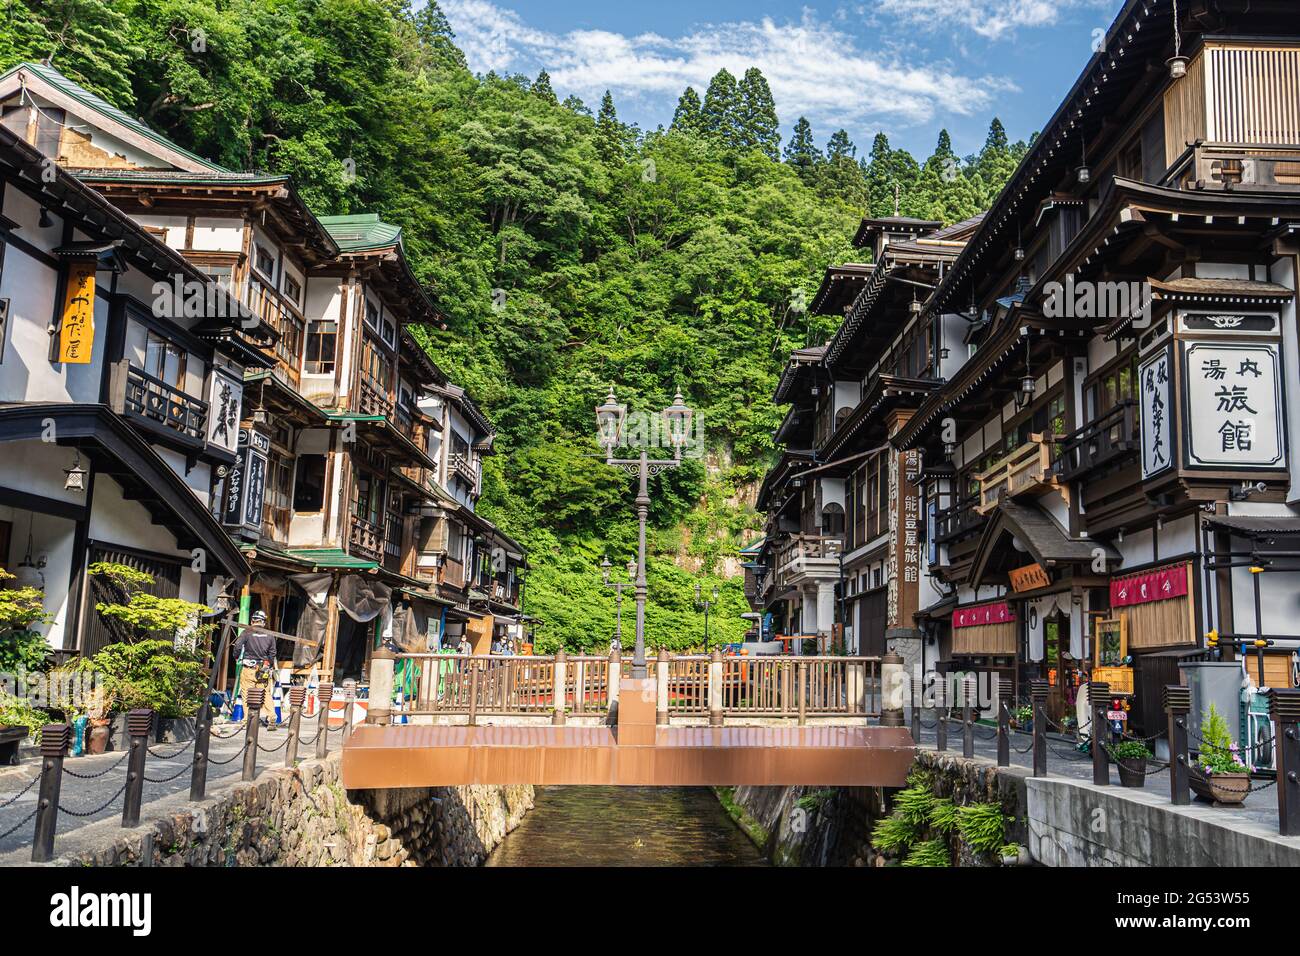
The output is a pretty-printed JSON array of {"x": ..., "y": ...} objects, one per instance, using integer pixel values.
[
  {"x": 37, "y": 468},
  {"x": 832, "y": 491},
  {"x": 1283, "y": 272},
  {"x": 1136, "y": 548},
  {"x": 114, "y": 520},
  {"x": 1179, "y": 536},
  {"x": 52, "y": 543},
  {"x": 218, "y": 235},
  {"x": 847, "y": 394}
]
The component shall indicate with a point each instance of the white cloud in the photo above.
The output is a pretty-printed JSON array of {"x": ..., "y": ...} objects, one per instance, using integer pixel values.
[
  {"x": 815, "y": 68},
  {"x": 991, "y": 19}
]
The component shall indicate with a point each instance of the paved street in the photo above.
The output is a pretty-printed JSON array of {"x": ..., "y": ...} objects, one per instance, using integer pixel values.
[{"x": 166, "y": 771}]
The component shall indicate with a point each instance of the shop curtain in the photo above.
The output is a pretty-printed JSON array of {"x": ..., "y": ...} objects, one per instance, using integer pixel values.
[{"x": 314, "y": 617}]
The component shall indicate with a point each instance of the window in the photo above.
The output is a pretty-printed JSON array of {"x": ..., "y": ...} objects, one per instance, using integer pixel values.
[
  {"x": 279, "y": 484},
  {"x": 49, "y": 125},
  {"x": 293, "y": 290},
  {"x": 372, "y": 314},
  {"x": 264, "y": 261},
  {"x": 390, "y": 333},
  {"x": 374, "y": 366},
  {"x": 367, "y": 497},
  {"x": 1113, "y": 386},
  {"x": 322, "y": 347},
  {"x": 164, "y": 360},
  {"x": 309, "y": 484}
]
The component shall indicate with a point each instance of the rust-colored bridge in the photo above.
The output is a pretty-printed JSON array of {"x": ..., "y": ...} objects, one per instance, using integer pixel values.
[{"x": 697, "y": 722}]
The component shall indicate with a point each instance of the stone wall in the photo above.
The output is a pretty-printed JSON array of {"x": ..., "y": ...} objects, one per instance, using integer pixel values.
[{"x": 303, "y": 817}]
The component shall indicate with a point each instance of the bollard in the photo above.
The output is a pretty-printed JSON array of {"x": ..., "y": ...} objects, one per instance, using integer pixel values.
[
  {"x": 941, "y": 715},
  {"x": 296, "y": 697},
  {"x": 1284, "y": 708},
  {"x": 853, "y": 687},
  {"x": 579, "y": 686},
  {"x": 1178, "y": 703},
  {"x": 1098, "y": 700},
  {"x": 559, "y": 690},
  {"x": 967, "y": 718},
  {"x": 715, "y": 689},
  {"x": 613, "y": 678},
  {"x": 916, "y": 709},
  {"x": 380, "y": 709},
  {"x": 1005, "y": 696},
  {"x": 139, "y": 724},
  {"x": 202, "y": 739},
  {"x": 253, "y": 698},
  {"x": 1038, "y": 697},
  {"x": 349, "y": 708},
  {"x": 474, "y": 671},
  {"x": 661, "y": 688},
  {"x": 801, "y": 691},
  {"x": 324, "y": 694},
  {"x": 55, "y": 739},
  {"x": 893, "y": 681}
]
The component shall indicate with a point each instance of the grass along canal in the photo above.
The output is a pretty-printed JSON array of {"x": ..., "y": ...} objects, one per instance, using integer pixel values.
[{"x": 626, "y": 826}]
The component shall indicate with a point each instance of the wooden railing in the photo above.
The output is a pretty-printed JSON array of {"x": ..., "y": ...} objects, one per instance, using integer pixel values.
[
  {"x": 754, "y": 687},
  {"x": 153, "y": 399},
  {"x": 1101, "y": 441},
  {"x": 961, "y": 518},
  {"x": 808, "y": 546},
  {"x": 373, "y": 400},
  {"x": 365, "y": 539},
  {"x": 267, "y": 304},
  {"x": 1027, "y": 468},
  {"x": 461, "y": 465}
]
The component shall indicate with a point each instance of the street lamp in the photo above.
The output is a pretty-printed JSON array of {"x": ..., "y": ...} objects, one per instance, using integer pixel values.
[
  {"x": 619, "y": 587},
  {"x": 705, "y": 603},
  {"x": 609, "y": 428}
]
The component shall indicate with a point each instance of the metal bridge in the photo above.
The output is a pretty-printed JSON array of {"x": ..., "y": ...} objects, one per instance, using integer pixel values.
[{"x": 699, "y": 721}]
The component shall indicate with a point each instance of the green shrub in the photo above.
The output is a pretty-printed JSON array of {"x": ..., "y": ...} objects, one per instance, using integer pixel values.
[
  {"x": 1129, "y": 750},
  {"x": 152, "y": 674},
  {"x": 892, "y": 834},
  {"x": 914, "y": 805},
  {"x": 929, "y": 853},
  {"x": 943, "y": 816},
  {"x": 16, "y": 712},
  {"x": 1218, "y": 753},
  {"x": 983, "y": 826}
]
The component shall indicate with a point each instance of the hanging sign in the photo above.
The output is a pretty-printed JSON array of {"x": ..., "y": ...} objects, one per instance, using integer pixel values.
[
  {"x": 224, "y": 396},
  {"x": 77, "y": 324},
  {"x": 999, "y": 612},
  {"x": 1153, "y": 586},
  {"x": 904, "y": 561},
  {"x": 1029, "y": 577},
  {"x": 1234, "y": 405},
  {"x": 1153, "y": 380},
  {"x": 246, "y": 486}
]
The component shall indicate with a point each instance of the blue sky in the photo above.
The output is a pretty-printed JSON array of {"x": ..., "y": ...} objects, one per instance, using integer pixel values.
[{"x": 907, "y": 67}]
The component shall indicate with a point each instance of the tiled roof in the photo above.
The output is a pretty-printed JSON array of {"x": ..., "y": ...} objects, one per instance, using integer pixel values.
[{"x": 361, "y": 232}]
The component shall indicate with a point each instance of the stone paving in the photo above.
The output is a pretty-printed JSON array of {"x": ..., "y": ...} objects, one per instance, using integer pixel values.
[
  {"x": 1260, "y": 806},
  {"x": 165, "y": 760}
]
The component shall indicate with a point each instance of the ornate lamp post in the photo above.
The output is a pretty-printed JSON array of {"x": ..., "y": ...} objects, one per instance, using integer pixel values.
[
  {"x": 706, "y": 603},
  {"x": 619, "y": 587},
  {"x": 609, "y": 429}
]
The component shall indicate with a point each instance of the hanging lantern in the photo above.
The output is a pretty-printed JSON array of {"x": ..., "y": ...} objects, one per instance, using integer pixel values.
[
  {"x": 28, "y": 574},
  {"x": 76, "y": 476},
  {"x": 1026, "y": 390},
  {"x": 1177, "y": 63},
  {"x": 915, "y": 306},
  {"x": 1083, "y": 173},
  {"x": 949, "y": 449}
]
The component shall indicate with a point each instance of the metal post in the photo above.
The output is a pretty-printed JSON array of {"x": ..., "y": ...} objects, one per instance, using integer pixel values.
[
  {"x": 579, "y": 686},
  {"x": 473, "y": 692},
  {"x": 916, "y": 709},
  {"x": 1099, "y": 700},
  {"x": 558, "y": 692},
  {"x": 1038, "y": 696},
  {"x": 349, "y": 708},
  {"x": 642, "y": 512},
  {"x": 941, "y": 715},
  {"x": 715, "y": 688},
  {"x": 1178, "y": 704},
  {"x": 661, "y": 687},
  {"x": 202, "y": 739},
  {"x": 139, "y": 723},
  {"x": 613, "y": 679},
  {"x": 967, "y": 719},
  {"x": 324, "y": 694},
  {"x": 1005, "y": 690},
  {"x": 382, "y": 663},
  {"x": 253, "y": 699},
  {"x": 1284, "y": 708},
  {"x": 893, "y": 682},
  {"x": 55, "y": 739},
  {"x": 296, "y": 697}
]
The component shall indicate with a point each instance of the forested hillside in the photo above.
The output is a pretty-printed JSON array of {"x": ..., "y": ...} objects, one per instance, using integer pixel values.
[{"x": 567, "y": 249}]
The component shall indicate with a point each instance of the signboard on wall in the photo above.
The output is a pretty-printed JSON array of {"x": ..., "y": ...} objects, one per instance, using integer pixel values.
[
  {"x": 224, "y": 397},
  {"x": 904, "y": 538},
  {"x": 246, "y": 486},
  {"x": 1233, "y": 393},
  {"x": 1029, "y": 577},
  {"x": 77, "y": 319},
  {"x": 1154, "y": 375}
]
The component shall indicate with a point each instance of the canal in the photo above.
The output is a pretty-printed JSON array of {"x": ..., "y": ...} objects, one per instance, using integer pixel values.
[{"x": 626, "y": 826}]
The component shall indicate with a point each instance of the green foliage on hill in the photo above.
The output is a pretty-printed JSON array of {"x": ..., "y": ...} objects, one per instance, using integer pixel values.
[{"x": 568, "y": 250}]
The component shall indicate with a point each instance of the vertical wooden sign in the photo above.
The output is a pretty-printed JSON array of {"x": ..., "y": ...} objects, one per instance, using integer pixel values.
[{"x": 77, "y": 325}]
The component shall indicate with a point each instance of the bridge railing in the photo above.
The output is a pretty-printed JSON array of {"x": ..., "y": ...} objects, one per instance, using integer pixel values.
[{"x": 759, "y": 687}]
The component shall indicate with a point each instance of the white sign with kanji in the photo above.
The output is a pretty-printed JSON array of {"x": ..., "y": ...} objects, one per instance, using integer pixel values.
[
  {"x": 1234, "y": 405},
  {"x": 1157, "y": 436}
]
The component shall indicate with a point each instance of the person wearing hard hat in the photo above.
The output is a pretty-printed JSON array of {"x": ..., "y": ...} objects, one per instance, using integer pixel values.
[{"x": 255, "y": 651}]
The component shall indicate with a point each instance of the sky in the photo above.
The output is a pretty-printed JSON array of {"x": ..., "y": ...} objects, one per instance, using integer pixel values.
[{"x": 905, "y": 67}]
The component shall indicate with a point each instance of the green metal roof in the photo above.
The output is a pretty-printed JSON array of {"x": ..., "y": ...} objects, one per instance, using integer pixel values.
[
  {"x": 333, "y": 558},
  {"x": 361, "y": 232},
  {"x": 105, "y": 109}
]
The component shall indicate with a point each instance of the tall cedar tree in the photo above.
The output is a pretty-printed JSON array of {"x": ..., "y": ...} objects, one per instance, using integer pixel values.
[
  {"x": 688, "y": 117},
  {"x": 802, "y": 152},
  {"x": 759, "y": 127},
  {"x": 721, "y": 112}
]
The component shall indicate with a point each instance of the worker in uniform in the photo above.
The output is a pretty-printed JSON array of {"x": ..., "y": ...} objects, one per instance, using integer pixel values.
[{"x": 255, "y": 651}]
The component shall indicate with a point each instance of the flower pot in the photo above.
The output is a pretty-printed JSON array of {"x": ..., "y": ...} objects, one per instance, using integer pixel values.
[
  {"x": 173, "y": 730},
  {"x": 1224, "y": 789},
  {"x": 118, "y": 738},
  {"x": 97, "y": 738},
  {"x": 1132, "y": 771}
]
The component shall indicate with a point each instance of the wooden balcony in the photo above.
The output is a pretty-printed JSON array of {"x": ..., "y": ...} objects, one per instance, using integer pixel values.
[
  {"x": 960, "y": 519},
  {"x": 155, "y": 401},
  {"x": 460, "y": 464},
  {"x": 1110, "y": 438},
  {"x": 373, "y": 400},
  {"x": 1027, "y": 469},
  {"x": 365, "y": 540},
  {"x": 451, "y": 573},
  {"x": 271, "y": 308}
]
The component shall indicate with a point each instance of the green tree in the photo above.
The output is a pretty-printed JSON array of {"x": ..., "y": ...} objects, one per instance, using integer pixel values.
[
  {"x": 721, "y": 110},
  {"x": 542, "y": 88},
  {"x": 688, "y": 117},
  {"x": 802, "y": 152},
  {"x": 758, "y": 125}
]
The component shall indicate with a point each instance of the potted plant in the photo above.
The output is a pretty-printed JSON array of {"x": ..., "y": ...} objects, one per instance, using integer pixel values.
[
  {"x": 1219, "y": 774},
  {"x": 1131, "y": 757},
  {"x": 1023, "y": 718}
]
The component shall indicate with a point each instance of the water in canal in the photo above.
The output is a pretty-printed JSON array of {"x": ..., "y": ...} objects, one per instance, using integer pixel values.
[{"x": 626, "y": 826}]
